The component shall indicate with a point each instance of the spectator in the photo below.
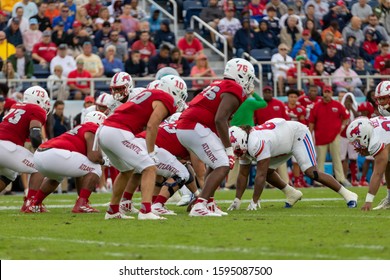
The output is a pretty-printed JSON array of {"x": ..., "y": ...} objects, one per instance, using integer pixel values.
[
  {"x": 136, "y": 11},
  {"x": 373, "y": 23},
  {"x": 314, "y": 34},
  {"x": 306, "y": 70},
  {"x": 155, "y": 20},
  {"x": 44, "y": 51},
  {"x": 179, "y": 63},
  {"x": 104, "y": 15},
  {"x": 274, "y": 109},
  {"x": 79, "y": 88},
  {"x": 160, "y": 60},
  {"x": 290, "y": 34},
  {"x": 85, "y": 19},
  {"x": 201, "y": 69},
  {"x": 115, "y": 9},
  {"x": 164, "y": 35},
  {"x": 121, "y": 47},
  {"x": 244, "y": 38},
  {"x": 93, "y": 7},
  {"x": 111, "y": 64},
  {"x": 43, "y": 21},
  {"x": 32, "y": 36},
  {"x": 308, "y": 100},
  {"x": 265, "y": 38},
  {"x": 92, "y": 62},
  {"x": 313, "y": 50},
  {"x": 299, "y": 9},
  {"x": 59, "y": 36},
  {"x": 8, "y": 73},
  {"x": 362, "y": 69},
  {"x": 13, "y": 33},
  {"x": 135, "y": 66},
  {"x": 23, "y": 21},
  {"x": 310, "y": 15},
  {"x": 2, "y": 109},
  {"x": 339, "y": 13},
  {"x": 272, "y": 20},
  {"x": 102, "y": 37},
  {"x": 72, "y": 7},
  {"x": 334, "y": 30},
  {"x": 145, "y": 47},
  {"x": 370, "y": 48},
  {"x": 281, "y": 63},
  {"x": 57, "y": 84},
  {"x": 30, "y": 8},
  {"x": 212, "y": 14},
  {"x": 65, "y": 18},
  {"x": 77, "y": 38},
  {"x": 321, "y": 8},
  {"x": 57, "y": 123},
  {"x": 327, "y": 119},
  {"x": 129, "y": 23},
  {"x": 349, "y": 49},
  {"x": 361, "y": 10},
  {"x": 290, "y": 12},
  {"x": 52, "y": 10},
  {"x": 88, "y": 102},
  {"x": 228, "y": 26},
  {"x": 345, "y": 77},
  {"x": 354, "y": 28},
  {"x": 66, "y": 61},
  {"x": 6, "y": 48},
  {"x": 280, "y": 7},
  {"x": 256, "y": 9},
  {"x": 3, "y": 20},
  {"x": 331, "y": 58},
  {"x": 380, "y": 60},
  {"x": 383, "y": 14},
  {"x": 189, "y": 45},
  {"x": 22, "y": 62},
  {"x": 319, "y": 70}
]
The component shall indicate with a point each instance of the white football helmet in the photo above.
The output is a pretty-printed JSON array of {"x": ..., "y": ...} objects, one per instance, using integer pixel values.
[
  {"x": 359, "y": 132},
  {"x": 37, "y": 95},
  {"x": 136, "y": 91},
  {"x": 239, "y": 140},
  {"x": 382, "y": 90},
  {"x": 121, "y": 85},
  {"x": 242, "y": 71},
  {"x": 104, "y": 102},
  {"x": 153, "y": 84},
  {"x": 165, "y": 72},
  {"x": 176, "y": 87},
  {"x": 95, "y": 117}
]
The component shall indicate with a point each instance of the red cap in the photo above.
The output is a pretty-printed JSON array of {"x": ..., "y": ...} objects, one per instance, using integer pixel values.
[
  {"x": 76, "y": 23},
  {"x": 327, "y": 88},
  {"x": 3, "y": 13},
  {"x": 306, "y": 32},
  {"x": 89, "y": 99},
  {"x": 267, "y": 88}
]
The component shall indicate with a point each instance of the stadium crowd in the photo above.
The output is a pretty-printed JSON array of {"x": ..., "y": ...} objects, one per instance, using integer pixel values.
[{"x": 333, "y": 41}]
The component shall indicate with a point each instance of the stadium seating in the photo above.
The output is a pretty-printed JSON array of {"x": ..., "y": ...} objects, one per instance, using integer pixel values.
[
  {"x": 41, "y": 72},
  {"x": 191, "y": 8}
]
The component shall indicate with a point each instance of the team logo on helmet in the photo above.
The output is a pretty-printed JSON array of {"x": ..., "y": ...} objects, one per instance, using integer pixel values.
[
  {"x": 355, "y": 131},
  {"x": 232, "y": 138}
]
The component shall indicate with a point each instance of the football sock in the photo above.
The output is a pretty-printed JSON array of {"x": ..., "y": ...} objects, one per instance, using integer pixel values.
[
  {"x": 112, "y": 209},
  {"x": 31, "y": 193},
  {"x": 40, "y": 196},
  {"x": 146, "y": 207},
  {"x": 127, "y": 196},
  {"x": 154, "y": 198},
  {"x": 84, "y": 193},
  {"x": 160, "y": 199}
]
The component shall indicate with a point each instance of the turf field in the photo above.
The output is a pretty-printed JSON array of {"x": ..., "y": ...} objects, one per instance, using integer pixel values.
[{"x": 318, "y": 227}]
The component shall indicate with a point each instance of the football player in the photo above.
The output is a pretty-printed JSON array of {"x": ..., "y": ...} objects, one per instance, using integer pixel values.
[
  {"x": 272, "y": 144},
  {"x": 73, "y": 150},
  {"x": 24, "y": 120},
  {"x": 203, "y": 128}
]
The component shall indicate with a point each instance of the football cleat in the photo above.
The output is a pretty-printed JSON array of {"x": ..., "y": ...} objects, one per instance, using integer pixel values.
[
  {"x": 82, "y": 206},
  {"x": 384, "y": 204},
  {"x": 213, "y": 207},
  {"x": 36, "y": 208},
  {"x": 127, "y": 206},
  {"x": 363, "y": 183},
  {"x": 185, "y": 199},
  {"x": 160, "y": 209},
  {"x": 117, "y": 215},
  {"x": 149, "y": 216},
  {"x": 292, "y": 198},
  {"x": 26, "y": 203},
  {"x": 200, "y": 210},
  {"x": 352, "y": 203}
]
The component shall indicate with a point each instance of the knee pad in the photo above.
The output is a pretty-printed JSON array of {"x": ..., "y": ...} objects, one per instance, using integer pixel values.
[{"x": 5, "y": 180}]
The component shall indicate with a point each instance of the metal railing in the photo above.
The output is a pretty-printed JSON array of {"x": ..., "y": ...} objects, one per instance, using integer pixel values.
[{"x": 201, "y": 24}]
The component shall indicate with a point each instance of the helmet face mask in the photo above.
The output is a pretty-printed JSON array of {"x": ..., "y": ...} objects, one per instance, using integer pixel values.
[
  {"x": 121, "y": 85},
  {"x": 359, "y": 133},
  {"x": 238, "y": 140},
  {"x": 382, "y": 94}
]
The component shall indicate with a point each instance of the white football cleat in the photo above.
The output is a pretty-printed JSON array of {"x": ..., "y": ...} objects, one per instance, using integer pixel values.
[
  {"x": 292, "y": 198},
  {"x": 176, "y": 197},
  {"x": 149, "y": 216},
  {"x": 200, "y": 210},
  {"x": 384, "y": 204},
  {"x": 185, "y": 199},
  {"x": 117, "y": 215},
  {"x": 160, "y": 209},
  {"x": 127, "y": 206},
  {"x": 213, "y": 207}
]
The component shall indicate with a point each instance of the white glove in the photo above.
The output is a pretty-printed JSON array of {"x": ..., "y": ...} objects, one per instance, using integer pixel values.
[
  {"x": 106, "y": 161},
  {"x": 235, "y": 204},
  {"x": 253, "y": 206},
  {"x": 230, "y": 154},
  {"x": 153, "y": 156}
]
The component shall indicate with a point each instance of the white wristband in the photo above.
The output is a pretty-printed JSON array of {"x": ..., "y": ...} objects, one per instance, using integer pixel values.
[
  {"x": 229, "y": 151},
  {"x": 370, "y": 197}
]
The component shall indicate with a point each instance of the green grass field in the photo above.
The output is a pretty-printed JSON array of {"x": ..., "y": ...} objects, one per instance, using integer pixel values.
[{"x": 318, "y": 227}]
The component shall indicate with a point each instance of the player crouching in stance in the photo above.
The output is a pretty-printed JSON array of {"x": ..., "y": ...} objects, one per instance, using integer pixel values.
[
  {"x": 24, "y": 120},
  {"x": 272, "y": 144},
  {"x": 372, "y": 137},
  {"x": 70, "y": 155}
]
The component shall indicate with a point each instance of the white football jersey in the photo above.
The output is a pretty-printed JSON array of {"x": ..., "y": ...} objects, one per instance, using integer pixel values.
[{"x": 380, "y": 135}]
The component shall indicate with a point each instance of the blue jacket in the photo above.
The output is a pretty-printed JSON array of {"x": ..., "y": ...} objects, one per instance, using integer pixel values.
[{"x": 312, "y": 52}]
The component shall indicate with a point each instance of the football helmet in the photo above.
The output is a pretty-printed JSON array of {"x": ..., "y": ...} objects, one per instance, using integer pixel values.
[
  {"x": 173, "y": 118},
  {"x": 359, "y": 132},
  {"x": 121, "y": 85},
  {"x": 153, "y": 84},
  {"x": 37, "y": 95},
  {"x": 95, "y": 117},
  {"x": 166, "y": 71},
  {"x": 176, "y": 87},
  {"x": 136, "y": 91},
  {"x": 104, "y": 102},
  {"x": 243, "y": 72},
  {"x": 383, "y": 90},
  {"x": 239, "y": 140}
]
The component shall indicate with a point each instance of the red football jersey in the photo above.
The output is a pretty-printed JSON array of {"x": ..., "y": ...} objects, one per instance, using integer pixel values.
[
  {"x": 167, "y": 139},
  {"x": 307, "y": 103},
  {"x": 203, "y": 108},
  {"x": 73, "y": 140},
  {"x": 134, "y": 114},
  {"x": 296, "y": 113},
  {"x": 16, "y": 124}
]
